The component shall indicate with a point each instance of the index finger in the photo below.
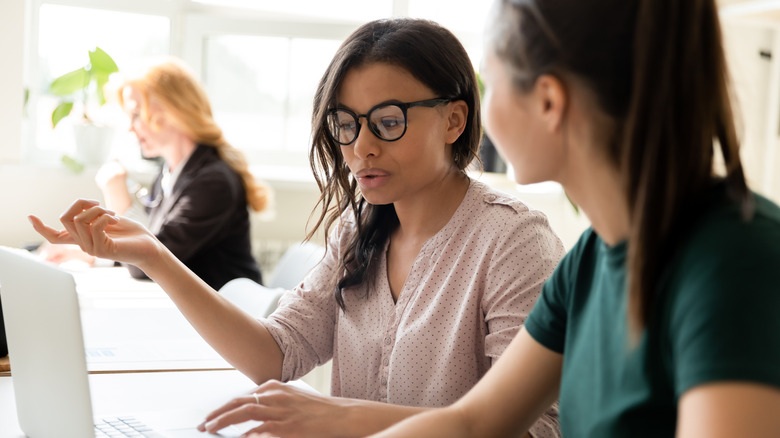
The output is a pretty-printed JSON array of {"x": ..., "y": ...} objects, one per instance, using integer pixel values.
[
  {"x": 49, "y": 233},
  {"x": 78, "y": 206},
  {"x": 229, "y": 406}
]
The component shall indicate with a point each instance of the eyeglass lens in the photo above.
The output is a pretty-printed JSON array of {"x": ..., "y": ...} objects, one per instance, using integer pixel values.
[{"x": 387, "y": 122}]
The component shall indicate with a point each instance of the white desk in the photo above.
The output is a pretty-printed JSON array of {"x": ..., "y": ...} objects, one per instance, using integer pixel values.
[
  {"x": 121, "y": 311},
  {"x": 132, "y": 393},
  {"x": 132, "y": 325}
]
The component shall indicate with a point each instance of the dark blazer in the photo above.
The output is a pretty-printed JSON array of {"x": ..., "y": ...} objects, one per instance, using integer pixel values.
[{"x": 205, "y": 221}]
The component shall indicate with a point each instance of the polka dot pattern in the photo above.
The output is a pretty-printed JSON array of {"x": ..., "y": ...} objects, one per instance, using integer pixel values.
[{"x": 468, "y": 293}]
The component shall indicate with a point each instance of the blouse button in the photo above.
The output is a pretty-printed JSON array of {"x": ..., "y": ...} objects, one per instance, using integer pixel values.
[{"x": 388, "y": 341}]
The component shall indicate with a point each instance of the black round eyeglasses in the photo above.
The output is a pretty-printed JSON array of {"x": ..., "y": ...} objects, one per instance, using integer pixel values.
[{"x": 387, "y": 121}]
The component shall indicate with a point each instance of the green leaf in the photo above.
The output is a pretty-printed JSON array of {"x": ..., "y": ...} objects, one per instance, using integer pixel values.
[
  {"x": 26, "y": 99},
  {"x": 62, "y": 110},
  {"x": 101, "y": 63},
  {"x": 72, "y": 164},
  {"x": 70, "y": 82},
  {"x": 101, "y": 80}
]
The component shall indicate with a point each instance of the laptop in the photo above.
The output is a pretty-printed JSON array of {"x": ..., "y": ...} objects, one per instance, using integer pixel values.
[{"x": 48, "y": 360}]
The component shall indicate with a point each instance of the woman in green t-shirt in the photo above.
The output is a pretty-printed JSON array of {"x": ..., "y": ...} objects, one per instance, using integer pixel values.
[{"x": 662, "y": 320}]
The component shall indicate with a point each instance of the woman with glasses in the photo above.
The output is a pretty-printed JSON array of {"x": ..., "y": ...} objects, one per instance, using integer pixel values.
[
  {"x": 662, "y": 321},
  {"x": 428, "y": 274},
  {"x": 198, "y": 204}
]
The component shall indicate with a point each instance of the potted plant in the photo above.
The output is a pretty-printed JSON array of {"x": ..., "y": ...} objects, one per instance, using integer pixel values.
[{"x": 85, "y": 85}]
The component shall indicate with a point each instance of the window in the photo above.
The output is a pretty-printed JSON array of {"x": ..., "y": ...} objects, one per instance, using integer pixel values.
[
  {"x": 60, "y": 50},
  {"x": 260, "y": 60},
  {"x": 339, "y": 10},
  {"x": 262, "y": 88}
]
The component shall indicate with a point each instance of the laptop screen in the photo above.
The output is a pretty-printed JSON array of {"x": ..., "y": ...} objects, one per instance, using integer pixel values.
[{"x": 46, "y": 347}]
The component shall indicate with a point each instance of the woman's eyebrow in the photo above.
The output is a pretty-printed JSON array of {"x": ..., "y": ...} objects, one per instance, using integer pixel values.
[{"x": 384, "y": 102}]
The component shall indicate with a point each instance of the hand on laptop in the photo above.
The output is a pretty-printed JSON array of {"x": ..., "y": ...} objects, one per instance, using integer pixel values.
[
  {"x": 285, "y": 411},
  {"x": 97, "y": 231}
]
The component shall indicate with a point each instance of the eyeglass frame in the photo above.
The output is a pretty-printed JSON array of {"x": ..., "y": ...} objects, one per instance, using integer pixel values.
[{"x": 403, "y": 106}]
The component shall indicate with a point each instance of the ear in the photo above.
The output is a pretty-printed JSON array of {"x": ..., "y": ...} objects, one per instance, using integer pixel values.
[
  {"x": 456, "y": 120},
  {"x": 156, "y": 120},
  {"x": 552, "y": 100}
]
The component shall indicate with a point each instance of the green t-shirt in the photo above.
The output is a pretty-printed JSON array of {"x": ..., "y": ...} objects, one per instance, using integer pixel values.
[{"x": 717, "y": 318}]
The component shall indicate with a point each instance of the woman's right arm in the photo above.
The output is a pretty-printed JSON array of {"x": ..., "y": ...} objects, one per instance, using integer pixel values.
[
  {"x": 239, "y": 338},
  {"x": 521, "y": 385},
  {"x": 111, "y": 178}
]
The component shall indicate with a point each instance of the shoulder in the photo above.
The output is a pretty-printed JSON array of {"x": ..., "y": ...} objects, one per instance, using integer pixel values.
[
  {"x": 504, "y": 213},
  {"x": 579, "y": 260},
  {"x": 505, "y": 230},
  {"x": 727, "y": 268},
  {"x": 494, "y": 201},
  {"x": 206, "y": 168},
  {"x": 724, "y": 241},
  {"x": 721, "y": 296},
  {"x": 206, "y": 159}
]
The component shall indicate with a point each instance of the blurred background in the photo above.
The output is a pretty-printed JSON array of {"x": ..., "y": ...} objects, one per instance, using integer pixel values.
[{"x": 260, "y": 61}]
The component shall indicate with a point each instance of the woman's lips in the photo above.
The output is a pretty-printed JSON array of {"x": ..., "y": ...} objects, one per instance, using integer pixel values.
[{"x": 372, "y": 178}]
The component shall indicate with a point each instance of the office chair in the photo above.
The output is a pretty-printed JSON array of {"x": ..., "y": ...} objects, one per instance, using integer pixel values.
[{"x": 261, "y": 301}]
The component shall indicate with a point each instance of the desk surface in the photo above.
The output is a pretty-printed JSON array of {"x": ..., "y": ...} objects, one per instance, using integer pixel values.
[
  {"x": 133, "y": 393},
  {"x": 132, "y": 325},
  {"x": 118, "y": 310}
]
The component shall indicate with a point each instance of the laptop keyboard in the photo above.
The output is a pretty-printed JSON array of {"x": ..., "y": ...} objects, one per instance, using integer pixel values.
[{"x": 123, "y": 427}]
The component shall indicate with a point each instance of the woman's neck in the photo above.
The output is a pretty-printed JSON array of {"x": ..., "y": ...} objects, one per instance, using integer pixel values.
[
  {"x": 426, "y": 214},
  {"x": 598, "y": 191},
  {"x": 179, "y": 150},
  {"x": 589, "y": 176}
]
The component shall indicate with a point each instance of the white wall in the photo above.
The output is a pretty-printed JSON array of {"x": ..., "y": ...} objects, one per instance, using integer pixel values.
[
  {"x": 756, "y": 81},
  {"x": 12, "y": 19}
]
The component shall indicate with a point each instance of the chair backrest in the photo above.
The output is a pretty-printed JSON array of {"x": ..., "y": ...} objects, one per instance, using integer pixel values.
[
  {"x": 296, "y": 262},
  {"x": 261, "y": 301},
  {"x": 254, "y": 299}
]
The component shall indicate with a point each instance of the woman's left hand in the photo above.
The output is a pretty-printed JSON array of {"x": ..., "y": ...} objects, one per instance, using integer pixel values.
[{"x": 286, "y": 411}]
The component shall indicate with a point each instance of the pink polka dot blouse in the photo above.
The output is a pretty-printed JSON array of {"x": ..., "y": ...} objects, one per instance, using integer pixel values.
[{"x": 467, "y": 294}]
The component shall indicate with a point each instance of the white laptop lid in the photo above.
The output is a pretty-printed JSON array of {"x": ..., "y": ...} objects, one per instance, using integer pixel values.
[
  {"x": 46, "y": 347},
  {"x": 48, "y": 360}
]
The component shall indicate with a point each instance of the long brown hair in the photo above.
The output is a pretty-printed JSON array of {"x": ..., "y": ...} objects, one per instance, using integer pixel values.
[
  {"x": 185, "y": 101},
  {"x": 435, "y": 57},
  {"x": 658, "y": 70}
]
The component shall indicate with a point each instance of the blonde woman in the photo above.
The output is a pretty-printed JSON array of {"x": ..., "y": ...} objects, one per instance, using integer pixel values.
[{"x": 198, "y": 205}]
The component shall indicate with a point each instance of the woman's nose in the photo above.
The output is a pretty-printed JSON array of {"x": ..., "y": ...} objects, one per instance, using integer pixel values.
[{"x": 366, "y": 144}]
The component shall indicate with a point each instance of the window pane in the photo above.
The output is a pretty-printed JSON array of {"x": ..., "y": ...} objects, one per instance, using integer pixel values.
[
  {"x": 465, "y": 18},
  {"x": 246, "y": 79},
  {"x": 309, "y": 59},
  {"x": 456, "y": 15},
  {"x": 351, "y": 10},
  {"x": 262, "y": 88},
  {"x": 66, "y": 35}
]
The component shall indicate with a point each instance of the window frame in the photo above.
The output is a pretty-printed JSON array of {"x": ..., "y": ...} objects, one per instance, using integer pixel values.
[
  {"x": 31, "y": 153},
  {"x": 204, "y": 22},
  {"x": 190, "y": 23}
]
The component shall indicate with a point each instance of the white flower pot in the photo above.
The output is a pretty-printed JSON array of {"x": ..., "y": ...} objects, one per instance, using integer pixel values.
[{"x": 93, "y": 143}]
